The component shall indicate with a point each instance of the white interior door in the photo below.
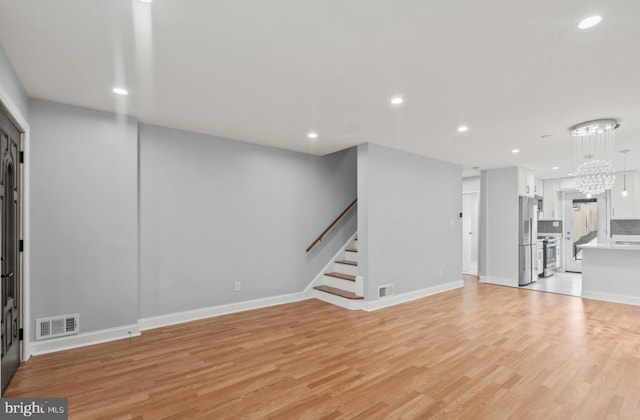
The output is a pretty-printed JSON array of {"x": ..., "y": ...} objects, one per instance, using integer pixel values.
[{"x": 470, "y": 233}]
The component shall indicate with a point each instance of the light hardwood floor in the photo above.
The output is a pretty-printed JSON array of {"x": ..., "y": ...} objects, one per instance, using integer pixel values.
[{"x": 479, "y": 352}]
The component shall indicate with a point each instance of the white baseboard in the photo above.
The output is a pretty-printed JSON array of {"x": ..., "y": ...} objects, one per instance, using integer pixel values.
[
  {"x": 193, "y": 315},
  {"x": 83, "y": 339},
  {"x": 610, "y": 297},
  {"x": 499, "y": 281},
  {"x": 373, "y": 305}
]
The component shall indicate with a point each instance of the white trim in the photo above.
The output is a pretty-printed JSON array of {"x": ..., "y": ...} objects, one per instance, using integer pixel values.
[
  {"x": 611, "y": 297},
  {"x": 84, "y": 339},
  {"x": 498, "y": 280},
  {"x": 409, "y": 296},
  {"x": 8, "y": 103},
  {"x": 319, "y": 279},
  {"x": 195, "y": 314}
]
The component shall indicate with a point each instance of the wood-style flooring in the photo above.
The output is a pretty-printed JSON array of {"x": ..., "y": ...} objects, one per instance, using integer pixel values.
[{"x": 480, "y": 352}]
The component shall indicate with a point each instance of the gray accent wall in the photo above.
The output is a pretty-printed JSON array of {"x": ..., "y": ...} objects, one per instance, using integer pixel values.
[
  {"x": 11, "y": 83},
  {"x": 499, "y": 226},
  {"x": 409, "y": 226},
  {"x": 83, "y": 215},
  {"x": 215, "y": 211}
]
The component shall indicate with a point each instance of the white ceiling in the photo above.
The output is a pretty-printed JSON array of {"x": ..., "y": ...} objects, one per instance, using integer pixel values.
[{"x": 268, "y": 72}]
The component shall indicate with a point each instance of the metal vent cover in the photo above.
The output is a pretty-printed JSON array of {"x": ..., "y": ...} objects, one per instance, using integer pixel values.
[
  {"x": 57, "y": 326},
  {"x": 386, "y": 290}
]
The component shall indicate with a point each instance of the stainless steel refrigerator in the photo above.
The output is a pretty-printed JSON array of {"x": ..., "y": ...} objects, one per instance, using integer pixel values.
[{"x": 527, "y": 237}]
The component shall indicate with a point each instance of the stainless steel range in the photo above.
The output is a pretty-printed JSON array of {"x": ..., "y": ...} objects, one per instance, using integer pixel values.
[{"x": 550, "y": 245}]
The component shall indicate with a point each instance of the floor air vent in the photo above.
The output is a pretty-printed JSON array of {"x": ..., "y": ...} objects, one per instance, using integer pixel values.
[
  {"x": 386, "y": 290},
  {"x": 57, "y": 326}
]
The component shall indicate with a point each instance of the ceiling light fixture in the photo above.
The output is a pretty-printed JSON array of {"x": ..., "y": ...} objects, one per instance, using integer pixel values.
[
  {"x": 589, "y": 22},
  {"x": 593, "y": 148},
  {"x": 624, "y": 173},
  {"x": 463, "y": 129},
  {"x": 146, "y": 1},
  {"x": 312, "y": 135},
  {"x": 515, "y": 151},
  {"x": 555, "y": 168},
  {"x": 120, "y": 91},
  {"x": 397, "y": 100}
]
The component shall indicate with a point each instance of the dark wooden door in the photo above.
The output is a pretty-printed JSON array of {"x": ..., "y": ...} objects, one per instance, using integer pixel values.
[{"x": 9, "y": 245}]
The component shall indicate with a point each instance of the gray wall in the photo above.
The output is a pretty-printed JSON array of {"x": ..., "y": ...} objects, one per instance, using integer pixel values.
[
  {"x": 83, "y": 215},
  {"x": 11, "y": 83},
  {"x": 499, "y": 225},
  {"x": 215, "y": 211},
  {"x": 410, "y": 205}
]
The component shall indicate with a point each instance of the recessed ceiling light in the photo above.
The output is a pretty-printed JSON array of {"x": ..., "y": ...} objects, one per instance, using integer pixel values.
[
  {"x": 514, "y": 151},
  {"x": 397, "y": 100},
  {"x": 312, "y": 135},
  {"x": 120, "y": 91},
  {"x": 146, "y": 1},
  {"x": 463, "y": 128},
  {"x": 589, "y": 22},
  {"x": 555, "y": 168}
]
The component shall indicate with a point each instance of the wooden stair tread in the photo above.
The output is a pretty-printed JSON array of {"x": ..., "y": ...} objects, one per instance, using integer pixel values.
[
  {"x": 341, "y": 276},
  {"x": 348, "y": 262},
  {"x": 338, "y": 292},
  {"x": 351, "y": 250}
]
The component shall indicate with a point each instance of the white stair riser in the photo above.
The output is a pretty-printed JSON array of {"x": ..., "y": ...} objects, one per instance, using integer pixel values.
[
  {"x": 352, "y": 256},
  {"x": 346, "y": 269},
  {"x": 354, "y": 245},
  {"x": 347, "y": 285},
  {"x": 353, "y": 304}
]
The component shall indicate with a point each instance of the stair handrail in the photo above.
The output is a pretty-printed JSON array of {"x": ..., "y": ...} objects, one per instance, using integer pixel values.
[{"x": 337, "y": 219}]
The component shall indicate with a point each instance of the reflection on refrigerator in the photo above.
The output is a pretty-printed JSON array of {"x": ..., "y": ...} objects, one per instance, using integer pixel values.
[{"x": 527, "y": 236}]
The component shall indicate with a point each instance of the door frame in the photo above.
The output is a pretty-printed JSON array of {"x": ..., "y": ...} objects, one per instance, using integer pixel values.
[
  {"x": 9, "y": 106},
  {"x": 603, "y": 220},
  {"x": 476, "y": 195}
]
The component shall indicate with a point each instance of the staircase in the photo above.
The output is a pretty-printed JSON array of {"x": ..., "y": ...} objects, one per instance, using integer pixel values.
[{"x": 339, "y": 284}]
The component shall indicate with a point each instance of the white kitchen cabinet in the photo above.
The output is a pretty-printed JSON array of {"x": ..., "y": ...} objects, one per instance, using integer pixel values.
[
  {"x": 626, "y": 207},
  {"x": 526, "y": 182},
  {"x": 538, "y": 189},
  {"x": 550, "y": 202}
]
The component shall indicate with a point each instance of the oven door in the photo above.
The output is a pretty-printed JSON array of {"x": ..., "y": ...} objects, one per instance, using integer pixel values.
[{"x": 550, "y": 255}]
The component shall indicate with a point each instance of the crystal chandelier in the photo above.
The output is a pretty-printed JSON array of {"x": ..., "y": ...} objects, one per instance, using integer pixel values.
[{"x": 594, "y": 150}]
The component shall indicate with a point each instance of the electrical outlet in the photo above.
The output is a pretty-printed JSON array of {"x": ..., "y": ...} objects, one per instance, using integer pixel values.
[{"x": 236, "y": 286}]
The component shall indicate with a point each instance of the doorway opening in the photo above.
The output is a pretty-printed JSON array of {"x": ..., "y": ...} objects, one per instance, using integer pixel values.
[{"x": 470, "y": 209}]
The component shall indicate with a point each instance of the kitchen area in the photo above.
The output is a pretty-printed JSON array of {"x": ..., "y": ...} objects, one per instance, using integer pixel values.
[{"x": 567, "y": 242}]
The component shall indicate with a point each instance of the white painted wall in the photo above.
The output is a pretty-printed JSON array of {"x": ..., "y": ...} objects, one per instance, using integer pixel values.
[
  {"x": 409, "y": 225},
  {"x": 471, "y": 184}
]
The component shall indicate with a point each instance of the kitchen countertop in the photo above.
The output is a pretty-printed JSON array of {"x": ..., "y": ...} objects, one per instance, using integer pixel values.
[{"x": 611, "y": 246}]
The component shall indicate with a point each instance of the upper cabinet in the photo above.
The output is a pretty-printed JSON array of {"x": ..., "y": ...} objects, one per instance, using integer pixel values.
[
  {"x": 550, "y": 202},
  {"x": 526, "y": 182},
  {"x": 626, "y": 207},
  {"x": 538, "y": 189}
]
